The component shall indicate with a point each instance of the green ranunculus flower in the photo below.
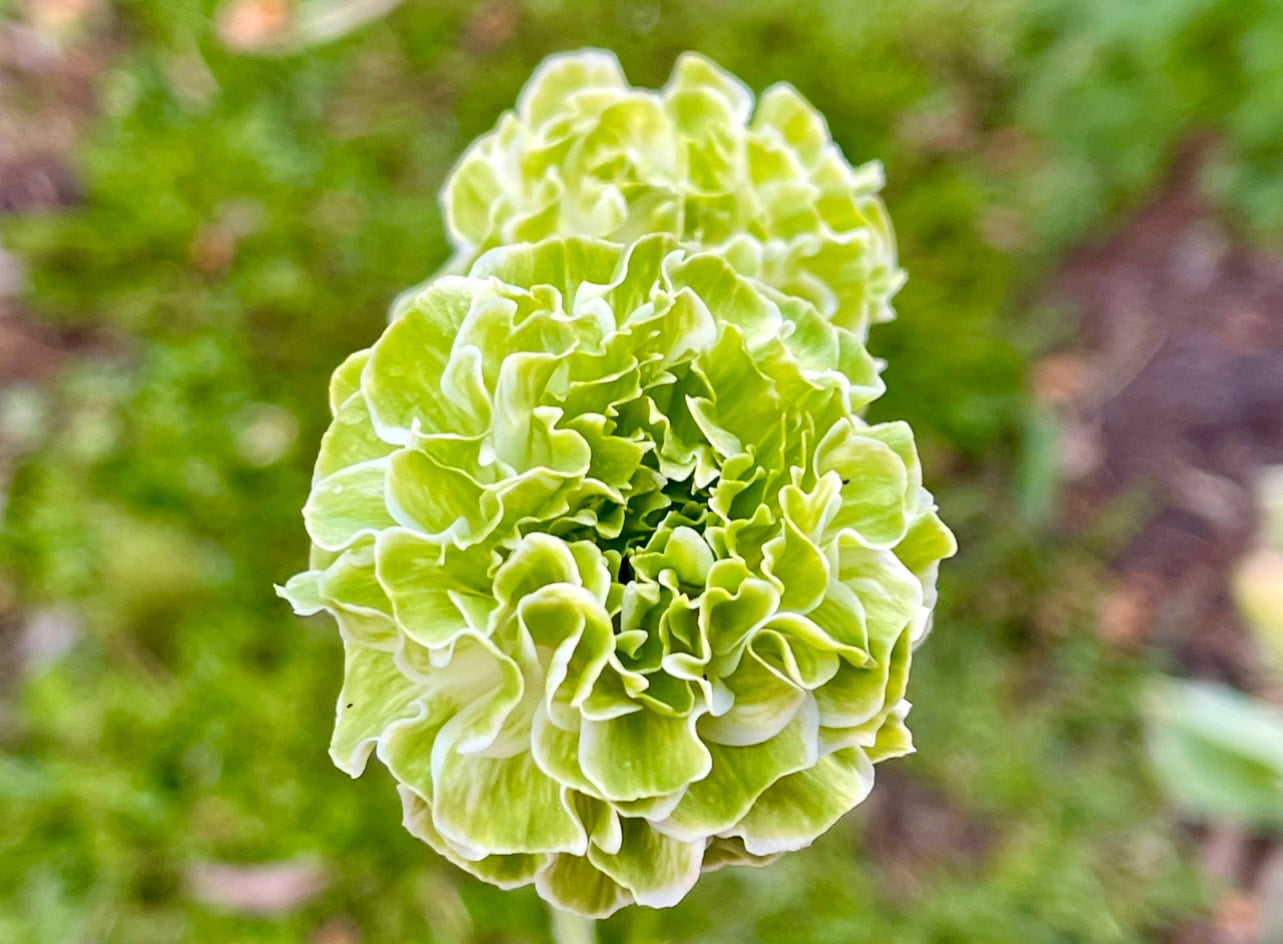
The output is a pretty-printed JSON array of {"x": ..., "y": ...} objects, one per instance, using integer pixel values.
[
  {"x": 628, "y": 588},
  {"x": 585, "y": 154}
]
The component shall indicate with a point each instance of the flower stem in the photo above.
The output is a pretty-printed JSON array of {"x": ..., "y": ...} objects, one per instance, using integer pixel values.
[{"x": 569, "y": 928}]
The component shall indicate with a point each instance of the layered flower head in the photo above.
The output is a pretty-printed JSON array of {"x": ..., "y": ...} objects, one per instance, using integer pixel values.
[
  {"x": 627, "y": 586},
  {"x": 585, "y": 154}
]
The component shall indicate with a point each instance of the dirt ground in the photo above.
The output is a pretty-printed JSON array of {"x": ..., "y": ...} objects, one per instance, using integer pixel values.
[{"x": 1174, "y": 394}]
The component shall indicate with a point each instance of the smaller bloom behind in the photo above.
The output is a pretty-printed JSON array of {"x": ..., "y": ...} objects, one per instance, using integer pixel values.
[
  {"x": 586, "y": 154},
  {"x": 628, "y": 589}
]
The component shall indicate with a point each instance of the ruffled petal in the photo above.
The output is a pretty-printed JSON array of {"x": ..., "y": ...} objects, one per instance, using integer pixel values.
[{"x": 627, "y": 587}]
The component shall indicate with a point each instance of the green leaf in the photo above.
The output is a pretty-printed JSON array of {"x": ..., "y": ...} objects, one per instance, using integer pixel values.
[{"x": 1218, "y": 752}]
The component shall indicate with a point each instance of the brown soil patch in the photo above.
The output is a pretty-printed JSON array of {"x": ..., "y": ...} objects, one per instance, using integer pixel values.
[
  {"x": 1176, "y": 393},
  {"x": 1181, "y": 399},
  {"x": 912, "y": 829}
]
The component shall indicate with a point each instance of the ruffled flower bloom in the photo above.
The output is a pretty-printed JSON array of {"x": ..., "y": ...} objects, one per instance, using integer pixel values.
[
  {"x": 585, "y": 154},
  {"x": 627, "y": 587}
]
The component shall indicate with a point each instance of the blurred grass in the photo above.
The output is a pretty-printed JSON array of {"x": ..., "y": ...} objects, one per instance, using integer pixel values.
[{"x": 246, "y": 222}]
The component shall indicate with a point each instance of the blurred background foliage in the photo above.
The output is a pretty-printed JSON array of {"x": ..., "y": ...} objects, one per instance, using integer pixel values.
[{"x": 225, "y": 198}]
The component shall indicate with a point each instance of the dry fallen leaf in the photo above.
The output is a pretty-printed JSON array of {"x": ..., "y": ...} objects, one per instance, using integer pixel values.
[
  {"x": 1270, "y": 887},
  {"x": 1058, "y": 378},
  {"x": 492, "y": 25},
  {"x": 60, "y": 14},
  {"x": 212, "y": 249},
  {"x": 340, "y": 930},
  {"x": 262, "y": 889},
  {"x": 1127, "y": 610},
  {"x": 280, "y": 27},
  {"x": 1238, "y": 916},
  {"x": 245, "y": 25}
]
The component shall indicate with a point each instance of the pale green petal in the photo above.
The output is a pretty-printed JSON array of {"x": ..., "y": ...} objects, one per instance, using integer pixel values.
[
  {"x": 762, "y": 703},
  {"x": 800, "y": 570},
  {"x": 787, "y": 646},
  {"x": 349, "y": 583},
  {"x": 348, "y": 504},
  {"x": 465, "y": 707},
  {"x": 854, "y": 694},
  {"x": 302, "y": 592},
  {"x": 798, "y": 808},
  {"x": 563, "y": 263},
  {"x": 502, "y": 806},
  {"x": 878, "y": 511},
  {"x": 435, "y": 592},
  {"x": 738, "y": 777},
  {"x": 435, "y": 499},
  {"x": 556, "y": 751},
  {"x": 350, "y": 590},
  {"x": 537, "y": 562},
  {"x": 402, "y": 381},
  {"x": 641, "y": 754},
  {"x": 574, "y": 884},
  {"x": 345, "y": 382},
  {"x": 726, "y": 851},
  {"x": 658, "y": 869},
  {"x": 786, "y": 113},
  {"x": 375, "y": 694},
  {"x": 730, "y": 617},
  {"x": 470, "y": 197},
  {"x": 351, "y": 440},
  {"x": 891, "y": 596},
  {"x": 505, "y": 871},
  {"x": 926, "y": 544},
  {"x": 406, "y": 746},
  {"x": 695, "y": 72},
  {"x": 571, "y": 623},
  {"x": 583, "y": 154},
  {"x": 566, "y": 74},
  {"x": 893, "y": 738},
  {"x": 482, "y": 691}
]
